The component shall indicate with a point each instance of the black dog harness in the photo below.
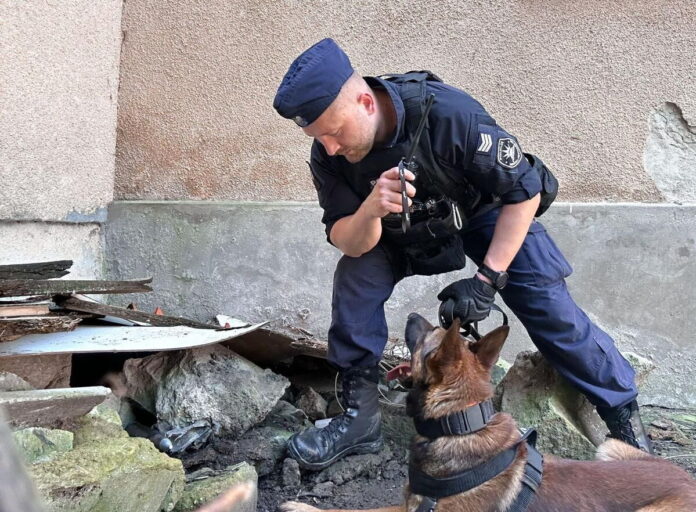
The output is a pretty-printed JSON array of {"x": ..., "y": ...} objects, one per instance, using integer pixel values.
[{"x": 471, "y": 420}]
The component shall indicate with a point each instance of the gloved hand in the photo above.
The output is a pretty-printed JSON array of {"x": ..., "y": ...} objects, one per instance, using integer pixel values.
[{"x": 472, "y": 298}]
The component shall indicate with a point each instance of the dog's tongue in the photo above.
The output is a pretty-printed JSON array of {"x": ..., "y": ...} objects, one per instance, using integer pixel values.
[{"x": 398, "y": 372}]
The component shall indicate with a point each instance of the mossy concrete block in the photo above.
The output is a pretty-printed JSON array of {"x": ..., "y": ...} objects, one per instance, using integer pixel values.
[
  {"x": 100, "y": 424},
  {"x": 120, "y": 474},
  {"x": 200, "y": 492},
  {"x": 536, "y": 396},
  {"x": 42, "y": 444}
]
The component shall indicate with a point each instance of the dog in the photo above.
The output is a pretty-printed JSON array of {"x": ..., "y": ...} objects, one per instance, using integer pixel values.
[{"x": 451, "y": 374}]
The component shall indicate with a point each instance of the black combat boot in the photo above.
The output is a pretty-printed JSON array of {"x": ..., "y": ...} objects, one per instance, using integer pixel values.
[
  {"x": 624, "y": 424},
  {"x": 357, "y": 430}
]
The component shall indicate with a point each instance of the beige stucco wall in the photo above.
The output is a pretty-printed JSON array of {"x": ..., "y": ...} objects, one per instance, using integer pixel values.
[
  {"x": 58, "y": 95},
  {"x": 577, "y": 82}
]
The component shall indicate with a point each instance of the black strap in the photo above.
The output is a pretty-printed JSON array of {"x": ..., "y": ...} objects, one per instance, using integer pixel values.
[
  {"x": 468, "y": 421},
  {"x": 426, "y": 485},
  {"x": 433, "y": 489}
]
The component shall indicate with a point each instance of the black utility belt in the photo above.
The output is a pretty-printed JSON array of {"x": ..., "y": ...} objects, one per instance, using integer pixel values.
[{"x": 430, "y": 219}]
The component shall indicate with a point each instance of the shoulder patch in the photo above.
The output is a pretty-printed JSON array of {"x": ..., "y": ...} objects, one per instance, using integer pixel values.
[
  {"x": 485, "y": 143},
  {"x": 509, "y": 153}
]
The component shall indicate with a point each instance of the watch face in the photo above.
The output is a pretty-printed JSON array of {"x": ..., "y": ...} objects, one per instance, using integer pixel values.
[{"x": 501, "y": 280}]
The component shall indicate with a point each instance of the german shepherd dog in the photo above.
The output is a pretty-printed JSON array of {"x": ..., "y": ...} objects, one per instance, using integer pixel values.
[{"x": 450, "y": 374}]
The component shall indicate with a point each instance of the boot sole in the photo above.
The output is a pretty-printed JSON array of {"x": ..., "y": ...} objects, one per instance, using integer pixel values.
[{"x": 360, "y": 449}]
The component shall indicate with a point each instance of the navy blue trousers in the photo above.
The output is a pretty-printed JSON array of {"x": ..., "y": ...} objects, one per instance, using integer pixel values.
[{"x": 536, "y": 293}]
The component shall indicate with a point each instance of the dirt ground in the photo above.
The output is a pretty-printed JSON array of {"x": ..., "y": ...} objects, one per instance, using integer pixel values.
[{"x": 367, "y": 481}]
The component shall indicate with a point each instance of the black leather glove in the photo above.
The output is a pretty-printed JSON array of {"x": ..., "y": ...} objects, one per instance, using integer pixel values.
[{"x": 472, "y": 298}]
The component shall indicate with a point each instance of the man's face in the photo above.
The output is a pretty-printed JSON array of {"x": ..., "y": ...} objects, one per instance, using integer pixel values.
[{"x": 345, "y": 129}]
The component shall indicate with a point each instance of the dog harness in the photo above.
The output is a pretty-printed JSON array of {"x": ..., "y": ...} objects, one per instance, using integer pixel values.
[{"x": 466, "y": 422}]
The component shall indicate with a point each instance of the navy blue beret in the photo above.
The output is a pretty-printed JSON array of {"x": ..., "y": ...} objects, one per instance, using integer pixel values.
[{"x": 312, "y": 83}]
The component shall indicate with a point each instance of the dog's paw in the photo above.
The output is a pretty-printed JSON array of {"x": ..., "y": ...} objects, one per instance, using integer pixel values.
[{"x": 295, "y": 506}]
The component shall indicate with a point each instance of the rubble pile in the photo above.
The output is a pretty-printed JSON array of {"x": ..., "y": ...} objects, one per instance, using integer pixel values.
[{"x": 206, "y": 407}]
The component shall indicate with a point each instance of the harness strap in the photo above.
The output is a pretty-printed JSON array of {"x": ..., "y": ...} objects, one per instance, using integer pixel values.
[
  {"x": 470, "y": 420},
  {"x": 437, "y": 488},
  {"x": 432, "y": 489}
]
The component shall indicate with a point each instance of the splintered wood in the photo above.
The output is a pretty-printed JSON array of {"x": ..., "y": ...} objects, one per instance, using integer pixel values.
[{"x": 30, "y": 294}]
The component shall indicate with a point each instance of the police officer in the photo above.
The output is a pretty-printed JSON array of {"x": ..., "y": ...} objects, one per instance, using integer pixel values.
[{"x": 475, "y": 193}]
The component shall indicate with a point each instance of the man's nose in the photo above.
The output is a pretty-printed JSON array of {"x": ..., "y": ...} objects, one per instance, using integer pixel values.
[{"x": 331, "y": 147}]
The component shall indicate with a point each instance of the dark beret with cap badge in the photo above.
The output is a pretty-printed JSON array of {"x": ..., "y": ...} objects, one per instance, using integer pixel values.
[{"x": 312, "y": 83}]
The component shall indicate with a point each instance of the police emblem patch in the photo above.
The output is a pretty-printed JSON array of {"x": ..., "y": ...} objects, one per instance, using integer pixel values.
[{"x": 509, "y": 153}]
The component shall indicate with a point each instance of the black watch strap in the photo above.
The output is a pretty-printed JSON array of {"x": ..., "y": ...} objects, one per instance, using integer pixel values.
[{"x": 498, "y": 279}]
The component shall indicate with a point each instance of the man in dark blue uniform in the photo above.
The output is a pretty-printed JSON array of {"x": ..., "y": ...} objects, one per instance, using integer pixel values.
[{"x": 475, "y": 194}]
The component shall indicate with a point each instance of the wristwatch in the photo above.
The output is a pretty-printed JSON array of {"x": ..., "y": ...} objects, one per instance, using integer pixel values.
[{"x": 498, "y": 279}]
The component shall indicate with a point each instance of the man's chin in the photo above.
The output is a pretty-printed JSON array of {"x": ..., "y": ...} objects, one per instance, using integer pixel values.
[{"x": 354, "y": 158}]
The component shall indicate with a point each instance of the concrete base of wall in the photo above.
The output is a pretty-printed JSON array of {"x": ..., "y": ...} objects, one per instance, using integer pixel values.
[{"x": 634, "y": 269}]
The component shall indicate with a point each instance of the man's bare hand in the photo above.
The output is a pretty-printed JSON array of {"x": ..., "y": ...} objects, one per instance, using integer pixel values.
[{"x": 385, "y": 197}]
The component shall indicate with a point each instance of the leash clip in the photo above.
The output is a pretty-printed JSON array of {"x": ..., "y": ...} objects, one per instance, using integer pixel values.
[{"x": 427, "y": 504}]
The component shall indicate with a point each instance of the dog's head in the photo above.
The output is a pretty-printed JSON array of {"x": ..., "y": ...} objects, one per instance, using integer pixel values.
[{"x": 445, "y": 366}]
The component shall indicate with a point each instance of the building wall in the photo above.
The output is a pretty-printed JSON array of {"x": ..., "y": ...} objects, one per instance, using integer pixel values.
[
  {"x": 58, "y": 96},
  {"x": 265, "y": 262},
  {"x": 579, "y": 83}
]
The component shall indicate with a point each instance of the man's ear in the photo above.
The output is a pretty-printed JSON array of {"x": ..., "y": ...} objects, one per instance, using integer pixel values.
[
  {"x": 368, "y": 101},
  {"x": 488, "y": 348},
  {"x": 449, "y": 351}
]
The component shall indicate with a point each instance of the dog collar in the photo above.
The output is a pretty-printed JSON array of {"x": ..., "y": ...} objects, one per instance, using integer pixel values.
[{"x": 470, "y": 420}]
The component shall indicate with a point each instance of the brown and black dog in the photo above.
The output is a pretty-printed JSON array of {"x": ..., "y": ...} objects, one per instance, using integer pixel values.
[{"x": 451, "y": 374}]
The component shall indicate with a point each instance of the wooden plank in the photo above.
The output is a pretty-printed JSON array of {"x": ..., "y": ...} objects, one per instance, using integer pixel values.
[
  {"x": 13, "y": 310},
  {"x": 19, "y": 287},
  {"x": 19, "y": 326},
  {"x": 112, "y": 338},
  {"x": 76, "y": 304},
  {"x": 41, "y": 270},
  {"x": 42, "y": 407},
  {"x": 314, "y": 348}
]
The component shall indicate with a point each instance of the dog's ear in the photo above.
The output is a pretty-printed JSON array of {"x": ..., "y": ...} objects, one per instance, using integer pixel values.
[
  {"x": 416, "y": 328},
  {"x": 449, "y": 350},
  {"x": 488, "y": 348}
]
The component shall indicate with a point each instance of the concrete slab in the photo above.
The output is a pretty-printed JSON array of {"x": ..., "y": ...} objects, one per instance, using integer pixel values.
[{"x": 41, "y": 407}]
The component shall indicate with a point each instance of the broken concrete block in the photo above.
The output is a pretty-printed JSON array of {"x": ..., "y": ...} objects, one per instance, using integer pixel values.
[
  {"x": 290, "y": 474},
  {"x": 36, "y": 444},
  {"x": 40, "y": 371},
  {"x": 312, "y": 403},
  {"x": 264, "y": 447},
  {"x": 101, "y": 423},
  {"x": 11, "y": 382},
  {"x": 210, "y": 383},
  {"x": 537, "y": 396},
  {"x": 42, "y": 407},
  {"x": 204, "y": 491},
  {"x": 119, "y": 474}
]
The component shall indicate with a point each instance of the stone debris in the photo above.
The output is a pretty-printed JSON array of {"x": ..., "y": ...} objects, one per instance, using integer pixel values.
[
  {"x": 108, "y": 471},
  {"x": 536, "y": 396},
  {"x": 312, "y": 403},
  {"x": 204, "y": 383},
  {"x": 41, "y": 407},
  {"x": 290, "y": 474},
  {"x": 203, "y": 491},
  {"x": 11, "y": 382},
  {"x": 37, "y": 444}
]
